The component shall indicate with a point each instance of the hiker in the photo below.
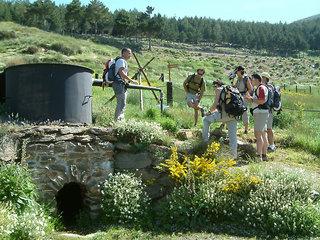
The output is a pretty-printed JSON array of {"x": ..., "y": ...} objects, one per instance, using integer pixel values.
[
  {"x": 271, "y": 146},
  {"x": 217, "y": 113},
  {"x": 120, "y": 82},
  {"x": 260, "y": 111},
  {"x": 194, "y": 87},
  {"x": 243, "y": 84}
]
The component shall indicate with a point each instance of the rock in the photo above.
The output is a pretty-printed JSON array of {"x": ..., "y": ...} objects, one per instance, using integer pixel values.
[
  {"x": 132, "y": 161},
  {"x": 83, "y": 138},
  {"x": 67, "y": 137},
  {"x": 185, "y": 134},
  {"x": 123, "y": 146},
  {"x": 72, "y": 130}
]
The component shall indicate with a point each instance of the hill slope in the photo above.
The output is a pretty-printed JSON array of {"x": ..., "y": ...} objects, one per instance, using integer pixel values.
[{"x": 28, "y": 45}]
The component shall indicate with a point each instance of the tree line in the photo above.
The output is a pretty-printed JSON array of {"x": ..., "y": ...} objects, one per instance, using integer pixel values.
[{"x": 96, "y": 18}]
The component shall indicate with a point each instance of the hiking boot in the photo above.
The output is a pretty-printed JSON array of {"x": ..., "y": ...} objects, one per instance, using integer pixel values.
[{"x": 264, "y": 157}]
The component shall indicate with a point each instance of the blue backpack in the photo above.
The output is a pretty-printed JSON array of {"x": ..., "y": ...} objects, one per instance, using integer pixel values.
[
  {"x": 112, "y": 75},
  {"x": 275, "y": 101}
]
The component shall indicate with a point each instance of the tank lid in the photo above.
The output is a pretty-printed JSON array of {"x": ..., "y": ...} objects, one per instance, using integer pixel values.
[{"x": 52, "y": 64}]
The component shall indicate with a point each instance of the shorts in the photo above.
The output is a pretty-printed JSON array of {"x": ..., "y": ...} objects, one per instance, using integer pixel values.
[
  {"x": 260, "y": 121},
  {"x": 192, "y": 98},
  {"x": 270, "y": 120}
]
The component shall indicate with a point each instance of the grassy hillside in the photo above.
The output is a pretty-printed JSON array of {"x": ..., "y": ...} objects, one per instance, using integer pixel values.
[{"x": 29, "y": 45}]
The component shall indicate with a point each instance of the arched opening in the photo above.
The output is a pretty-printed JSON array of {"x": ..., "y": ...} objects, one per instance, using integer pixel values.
[{"x": 70, "y": 201}]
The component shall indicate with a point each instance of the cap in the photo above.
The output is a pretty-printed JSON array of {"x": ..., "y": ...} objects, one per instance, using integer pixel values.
[{"x": 265, "y": 74}]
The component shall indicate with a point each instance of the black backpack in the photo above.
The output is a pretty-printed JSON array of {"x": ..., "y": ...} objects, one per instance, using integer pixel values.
[
  {"x": 112, "y": 76},
  {"x": 233, "y": 101},
  {"x": 276, "y": 105}
]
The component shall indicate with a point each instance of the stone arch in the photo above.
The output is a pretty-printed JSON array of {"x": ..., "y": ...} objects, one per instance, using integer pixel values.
[{"x": 71, "y": 201}]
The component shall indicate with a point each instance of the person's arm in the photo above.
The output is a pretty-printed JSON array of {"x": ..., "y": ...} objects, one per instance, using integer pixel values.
[
  {"x": 125, "y": 77},
  {"x": 249, "y": 86},
  {"x": 185, "y": 84},
  {"x": 260, "y": 98},
  {"x": 215, "y": 104}
]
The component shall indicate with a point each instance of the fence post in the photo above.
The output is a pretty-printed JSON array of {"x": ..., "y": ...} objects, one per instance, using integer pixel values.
[
  {"x": 96, "y": 76},
  {"x": 169, "y": 94},
  {"x": 284, "y": 86},
  {"x": 310, "y": 89},
  {"x": 296, "y": 88}
]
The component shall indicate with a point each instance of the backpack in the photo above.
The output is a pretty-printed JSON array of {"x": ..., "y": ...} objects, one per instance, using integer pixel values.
[
  {"x": 106, "y": 69},
  {"x": 112, "y": 75},
  {"x": 269, "y": 103},
  {"x": 191, "y": 79},
  {"x": 233, "y": 100},
  {"x": 276, "y": 99}
]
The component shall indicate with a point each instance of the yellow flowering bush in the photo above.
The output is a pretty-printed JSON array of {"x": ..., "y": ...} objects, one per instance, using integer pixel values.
[{"x": 198, "y": 167}]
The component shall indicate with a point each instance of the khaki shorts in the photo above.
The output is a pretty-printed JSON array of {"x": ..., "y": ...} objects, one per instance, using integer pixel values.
[
  {"x": 270, "y": 120},
  {"x": 260, "y": 121}
]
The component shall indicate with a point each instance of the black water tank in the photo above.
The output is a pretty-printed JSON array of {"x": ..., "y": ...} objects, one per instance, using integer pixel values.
[
  {"x": 38, "y": 92},
  {"x": 2, "y": 87}
]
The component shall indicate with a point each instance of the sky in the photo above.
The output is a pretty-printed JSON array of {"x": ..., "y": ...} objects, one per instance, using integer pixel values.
[{"x": 272, "y": 11}]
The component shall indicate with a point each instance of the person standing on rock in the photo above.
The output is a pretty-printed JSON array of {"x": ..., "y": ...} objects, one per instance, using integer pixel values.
[
  {"x": 195, "y": 86},
  {"x": 217, "y": 113}
]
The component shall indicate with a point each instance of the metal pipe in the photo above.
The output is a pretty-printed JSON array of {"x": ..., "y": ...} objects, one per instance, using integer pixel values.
[{"x": 98, "y": 82}]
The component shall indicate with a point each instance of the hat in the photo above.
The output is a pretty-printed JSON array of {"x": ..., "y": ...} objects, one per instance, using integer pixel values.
[{"x": 266, "y": 75}]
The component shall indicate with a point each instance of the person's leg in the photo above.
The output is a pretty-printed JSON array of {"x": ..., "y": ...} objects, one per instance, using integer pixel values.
[
  {"x": 121, "y": 96},
  {"x": 270, "y": 135},
  {"x": 206, "y": 125},
  {"x": 258, "y": 137},
  {"x": 245, "y": 118},
  {"x": 232, "y": 133},
  {"x": 196, "y": 116},
  {"x": 264, "y": 143}
]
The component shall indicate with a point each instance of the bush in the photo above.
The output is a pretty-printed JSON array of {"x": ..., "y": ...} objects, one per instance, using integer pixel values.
[
  {"x": 140, "y": 132},
  {"x": 168, "y": 124},
  {"x": 152, "y": 113},
  {"x": 31, "y": 50},
  {"x": 16, "y": 186},
  {"x": 7, "y": 221},
  {"x": 281, "y": 205},
  {"x": 283, "y": 120},
  {"x": 64, "y": 49},
  {"x": 124, "y": 200},
  {"x": 32, "y": 224},
  {"x": 7, "y": 35}
]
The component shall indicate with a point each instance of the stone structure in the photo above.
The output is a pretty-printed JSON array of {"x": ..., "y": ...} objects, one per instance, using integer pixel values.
[{"x": 60, "y": 155}]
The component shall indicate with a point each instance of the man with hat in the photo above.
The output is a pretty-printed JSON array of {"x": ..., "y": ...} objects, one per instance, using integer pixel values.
[
  {"x": 266, "y": 79},
  {"x": 243, "y": 84}
]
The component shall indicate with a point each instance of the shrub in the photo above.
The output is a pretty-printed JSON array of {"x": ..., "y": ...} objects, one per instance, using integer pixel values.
[
  {"x": 168, "y": 124},
  {"x": 32, "y": 224},
  {"x": 64, "y": 49},
  {"x": 283, "y": 120},
  {"x": 7, "y": 35},
  {"x": 281, "y": 205},
  {"x": 7, "y": 221},
  {"x": 124, "y": 200},
  {"x": 152, "y": 113},
  {"x": 140, "y": 131},
  {"x": 31, "y": 50},
  {"x": 16, "y": 186}
]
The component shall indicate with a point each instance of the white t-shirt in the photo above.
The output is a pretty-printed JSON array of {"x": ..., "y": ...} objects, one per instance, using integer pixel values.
[
  {"x": 262, "y": 94},
  {"x": 121, "y": 63}
]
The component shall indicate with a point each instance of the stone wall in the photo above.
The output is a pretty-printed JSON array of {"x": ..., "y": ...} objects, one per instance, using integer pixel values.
[{"x": 57, "y": 155}]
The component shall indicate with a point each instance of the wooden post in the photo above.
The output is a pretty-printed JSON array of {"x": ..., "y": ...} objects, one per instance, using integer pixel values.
[
  {"x": 169, "y": 94},
  {"x": 96, "y": 76},
  {"x": 284, "y": 86},
  {"x": 141, "y": 93},
  {"x": 296, "y": 88},
  {"x": 310, "y": 89},
  {"x": 169, "y": 67}
]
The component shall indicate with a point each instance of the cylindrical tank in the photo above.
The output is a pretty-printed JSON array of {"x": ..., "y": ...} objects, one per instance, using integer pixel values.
[
  {"x": 2, "y": 88},
  {"x": 46, "y": 91}
]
